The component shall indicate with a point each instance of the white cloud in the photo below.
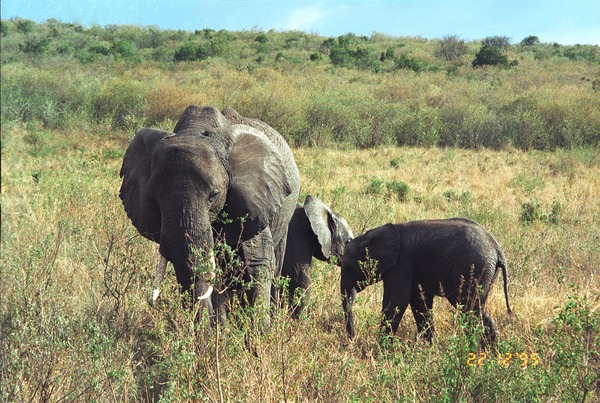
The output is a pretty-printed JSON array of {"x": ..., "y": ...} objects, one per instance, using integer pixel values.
[{"x": 304, "y": 19}]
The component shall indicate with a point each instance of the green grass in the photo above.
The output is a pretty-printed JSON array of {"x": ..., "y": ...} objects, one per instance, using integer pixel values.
[{"x": 76, "y": 324}]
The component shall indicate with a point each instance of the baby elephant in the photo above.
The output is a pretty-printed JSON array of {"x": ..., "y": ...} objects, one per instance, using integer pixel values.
[
  {"x": 455, "y": 258},
  {"x": 314, "y": 231}
]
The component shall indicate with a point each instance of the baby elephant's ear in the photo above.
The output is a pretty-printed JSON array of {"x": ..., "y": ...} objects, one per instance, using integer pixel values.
[
  {"x": 382, "y": 244},
  {"x": 135, "y": 190},
  {"x": 319, "y": 216}
]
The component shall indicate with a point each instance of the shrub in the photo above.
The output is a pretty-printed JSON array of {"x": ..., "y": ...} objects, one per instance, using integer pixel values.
[
  {"x": 409, "y": 63},
  {"x": 185, "y": 53},
  {"x": 36, "y": 46},
  {"x": 419, "y": 127},
  {"x": 375, "y": 186},
  {"x": 261, "y": 38},
  {"x": 398, "y": 189},
  {"x": 191, "y": 51},
  {"x": 490, "y": 56},
  {"x": 574, "y": 345},
  {"x": 501, "y": 42},
  {"x": 462, "y": 197},
  {"x": 167, "y": 102},
  {"x": 531, "y": 212},
  {"x": 53, "y": 98},
  {"x": 25, "y": 26},
  {"x": 451, "y": 48},
  {"x": 121, "y": 102},
  {"x": 530, "y": 40},
  {"x": 126, "y": 50}
]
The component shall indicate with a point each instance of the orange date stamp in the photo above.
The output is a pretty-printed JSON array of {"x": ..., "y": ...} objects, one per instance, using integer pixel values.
[{"x": 522, "y": 359}]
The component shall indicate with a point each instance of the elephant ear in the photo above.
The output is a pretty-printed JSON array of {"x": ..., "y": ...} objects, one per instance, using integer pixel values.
[
  {"x": 382, "y": 244},
  {"x": 259, "y": 181},
  {"x": 135, "y": 192},
  {"x": 320, "y": 218}
]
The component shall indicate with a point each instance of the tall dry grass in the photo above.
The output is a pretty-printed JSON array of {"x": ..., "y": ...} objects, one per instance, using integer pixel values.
[{"x": 75, "y": 323}]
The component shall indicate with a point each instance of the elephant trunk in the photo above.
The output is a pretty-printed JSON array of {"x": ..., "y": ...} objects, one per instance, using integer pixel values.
[
  {"x": 187, "y": 241},
  {"x": 348, "y": 289}
]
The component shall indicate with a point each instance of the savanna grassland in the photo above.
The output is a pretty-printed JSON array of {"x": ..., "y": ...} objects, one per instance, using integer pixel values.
[{"x": 379, "y": 139}]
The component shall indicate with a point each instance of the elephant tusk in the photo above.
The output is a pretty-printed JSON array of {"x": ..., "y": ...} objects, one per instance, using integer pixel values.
[
  {"x": 155, "y": 294},
  {"x": 206, "y": 294}
]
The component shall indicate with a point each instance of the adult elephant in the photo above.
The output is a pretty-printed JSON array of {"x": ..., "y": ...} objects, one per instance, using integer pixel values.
[
  {"x": 455, "y": 258},
  {"x": 217, "y": 176},
  {"x": 314, "y": 231}
]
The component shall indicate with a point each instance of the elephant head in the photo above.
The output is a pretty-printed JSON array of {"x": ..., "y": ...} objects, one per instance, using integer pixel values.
[
  {"x": 365, "y": 261},
  {"x": 314, "y": 231},
  {"x": 216, "y": 174}
]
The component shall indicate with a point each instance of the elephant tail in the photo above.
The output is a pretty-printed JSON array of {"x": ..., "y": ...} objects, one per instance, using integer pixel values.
[{"x": 503, "y": 266}]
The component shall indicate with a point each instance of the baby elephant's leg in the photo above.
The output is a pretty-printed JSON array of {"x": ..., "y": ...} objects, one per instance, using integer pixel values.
[{"x": 421, "y": 304}]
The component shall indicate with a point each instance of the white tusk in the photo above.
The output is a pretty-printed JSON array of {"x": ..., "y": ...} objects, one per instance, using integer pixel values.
[
  {"x": 206, "y": 294},
  {"x": 155, "y": 294}
]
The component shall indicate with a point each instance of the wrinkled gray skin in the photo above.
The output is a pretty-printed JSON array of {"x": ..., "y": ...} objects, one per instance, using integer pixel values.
[
  {"x": 314, "y": 231},
  {"x": 443, "y": 257},
  {"x": 177, "y": 187}
]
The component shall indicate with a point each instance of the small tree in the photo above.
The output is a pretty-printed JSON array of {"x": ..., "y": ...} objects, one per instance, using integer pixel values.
[
  {"x": 261, "y": 38},
  {"x": 185, "y": 53},
  {"x": 530, "y": 40},
  {"x": 25, "y": 26},
  {"x": 451, "y": 48},
  {"x": 502, "y": 42},
  {"x": 490, "y": 55}
]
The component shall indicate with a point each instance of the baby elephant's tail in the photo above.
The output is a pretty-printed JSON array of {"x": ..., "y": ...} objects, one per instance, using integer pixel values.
[{"x": 502, "y": 264}]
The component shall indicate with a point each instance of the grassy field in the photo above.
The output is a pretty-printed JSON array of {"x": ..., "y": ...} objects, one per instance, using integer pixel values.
[
  {"x": 384, "y": 129},
  {"x": 75, "y": 323}
]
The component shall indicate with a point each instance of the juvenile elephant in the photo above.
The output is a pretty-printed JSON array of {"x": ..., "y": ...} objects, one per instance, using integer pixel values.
[
  {"x": 455, "y": 258},
  {"x": 314, "y": 231},
  {"x": 218, "y": 176}
]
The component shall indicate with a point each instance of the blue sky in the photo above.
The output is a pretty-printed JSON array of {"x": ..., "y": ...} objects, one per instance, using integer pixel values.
[{"x": 564, "y": 21}]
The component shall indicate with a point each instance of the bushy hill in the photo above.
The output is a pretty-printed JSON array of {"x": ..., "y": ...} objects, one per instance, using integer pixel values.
[{"x": 351, "y": 90}]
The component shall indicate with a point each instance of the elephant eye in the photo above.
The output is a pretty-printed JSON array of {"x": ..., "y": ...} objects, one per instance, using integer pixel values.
[{"x": 213, "y": 195}]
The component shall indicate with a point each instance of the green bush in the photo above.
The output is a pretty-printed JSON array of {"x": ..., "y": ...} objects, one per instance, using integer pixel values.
[
  {"x": 121, "y": 103},
  {"x": 409, "y": 63},
  {"x": 34, "y": 95},
  {"x": 531, "y": 212},
  {"x": 490, "y": 56},
  {"x": 398, "y": 189},
  {"x": 375, "y": 186},
  {"x": 574, "y": 343}
]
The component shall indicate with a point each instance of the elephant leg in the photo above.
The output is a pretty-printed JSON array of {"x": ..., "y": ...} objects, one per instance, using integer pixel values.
[
  {"x": 277, "y": 263},
  {"x": 259, "y": 259},
  {"x": 421, "y": 304},
  {"x": 299, "y": 289},
  {"x": 489, "y": 335},
  {"x": 397, "y": 290}
]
